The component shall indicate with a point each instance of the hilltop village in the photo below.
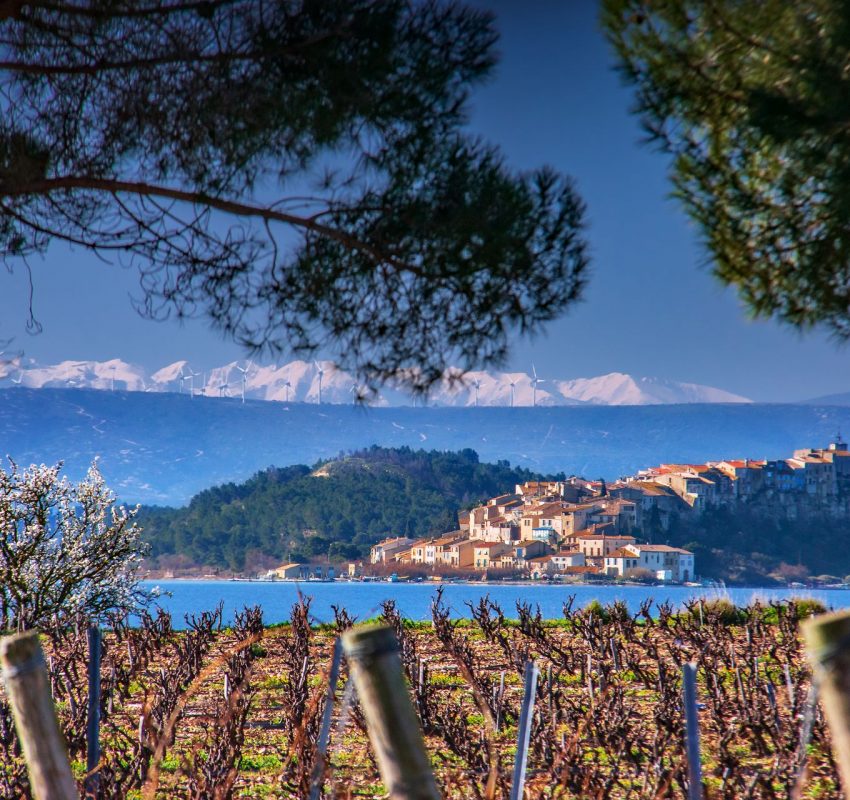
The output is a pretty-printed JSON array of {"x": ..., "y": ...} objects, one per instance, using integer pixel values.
[
  {"x": 543, "y": 530},
  {"x": 587, "y": 529}
]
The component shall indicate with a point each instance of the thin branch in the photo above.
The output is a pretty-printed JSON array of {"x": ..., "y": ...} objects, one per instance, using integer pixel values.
[{"x": 141, "y": 189}]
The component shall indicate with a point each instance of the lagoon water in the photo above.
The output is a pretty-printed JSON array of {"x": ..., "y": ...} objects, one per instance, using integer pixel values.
[{"x": 363, "y": 600}]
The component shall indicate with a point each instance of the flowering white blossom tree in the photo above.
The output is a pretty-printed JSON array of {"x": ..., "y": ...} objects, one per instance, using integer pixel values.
[{"x": 66, "y": 550}]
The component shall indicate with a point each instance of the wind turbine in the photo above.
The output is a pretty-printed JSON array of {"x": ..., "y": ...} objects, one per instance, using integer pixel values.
[
  {"x": 222, "y": 389},
  {"x": 112, "y": 380},
  {"x": 513, "y": 383},
  {"x": 191, "y": 378},
  {"x": 20, "y": 378},
  {"x": 534, "y": 383},
  {"x": 321, "y": 375},
  {"x": 355, "y": 390},
  {"x": 287, "y": 384},
  {"x": 477, "y": 384},
  {"x": 244, "y": 372}
]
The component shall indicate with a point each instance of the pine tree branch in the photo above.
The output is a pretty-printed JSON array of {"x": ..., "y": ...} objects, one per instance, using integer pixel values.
[{"x": 49, "y": 186}]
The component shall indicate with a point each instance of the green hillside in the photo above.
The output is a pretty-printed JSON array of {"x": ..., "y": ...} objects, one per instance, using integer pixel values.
[{"x": 337, "y": 508}]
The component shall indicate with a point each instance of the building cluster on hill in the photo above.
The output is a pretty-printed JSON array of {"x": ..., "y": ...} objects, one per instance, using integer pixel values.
[
  {"x": 544, "y": 530},
  {"x": 814, "y": 479},
  {"x": 583, "y": 528},
  {"x": 580, "y": 527}
]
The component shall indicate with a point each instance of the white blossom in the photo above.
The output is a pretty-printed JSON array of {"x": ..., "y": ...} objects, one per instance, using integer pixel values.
[{"x": 65, "y": 550}]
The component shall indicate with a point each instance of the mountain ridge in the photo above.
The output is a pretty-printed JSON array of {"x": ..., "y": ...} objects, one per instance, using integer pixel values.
[
  {"x": 839, "y": 399},
  {"x": 304, "y": 381}
]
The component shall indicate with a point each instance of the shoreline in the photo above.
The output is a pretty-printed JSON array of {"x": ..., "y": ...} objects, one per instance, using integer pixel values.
[
  {"x": 483, "y": 584},
  {"x": 429, "y": 582}
]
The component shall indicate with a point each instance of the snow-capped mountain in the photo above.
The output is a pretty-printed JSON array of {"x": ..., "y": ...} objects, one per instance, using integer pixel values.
[
  {"x": 303, "y": 381},
  {"x": 113, "y": 374},
  {"x": 618, "y": 389}
]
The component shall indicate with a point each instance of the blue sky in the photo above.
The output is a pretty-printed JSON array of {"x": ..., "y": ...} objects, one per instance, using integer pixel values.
[{"x": 652, "y": 307}]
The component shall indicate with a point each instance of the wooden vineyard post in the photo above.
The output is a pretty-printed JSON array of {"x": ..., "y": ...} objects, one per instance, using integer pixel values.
[
  {"x": 92, "y": 782},
  {"x": 828, "y": 643},
  {"x": 689, "y": 690},
  {"x": 28, "y": 688},
  {"x": 789, "y": 687},
  {"x": 501, "y": 701},
  {"x": 524, "y": 733},
  {"x": 373, "y": 657},
  {"x": 325, "y": 730}
]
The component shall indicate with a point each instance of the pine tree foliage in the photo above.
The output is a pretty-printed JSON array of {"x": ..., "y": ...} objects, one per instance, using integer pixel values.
[
  {"x": 751, "y": 100},
  {"x": 297, "y": 172}
]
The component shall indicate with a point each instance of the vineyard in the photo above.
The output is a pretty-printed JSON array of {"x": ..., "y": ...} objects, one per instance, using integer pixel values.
[{"x": 220, "y": 712}]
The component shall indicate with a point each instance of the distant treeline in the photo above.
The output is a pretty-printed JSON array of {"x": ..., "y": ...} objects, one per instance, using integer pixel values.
[{"x": 337, "y": 508}]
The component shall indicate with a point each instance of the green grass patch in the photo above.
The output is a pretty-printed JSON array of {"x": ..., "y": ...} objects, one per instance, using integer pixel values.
[
  {"x": 446, "y": 679},
  {"x": 260, "y": 763}
]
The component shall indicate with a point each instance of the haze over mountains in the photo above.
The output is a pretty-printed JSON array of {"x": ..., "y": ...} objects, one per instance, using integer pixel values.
[
  {"x": 163, "y": 447},
  {"x": 302, "y": 381}
]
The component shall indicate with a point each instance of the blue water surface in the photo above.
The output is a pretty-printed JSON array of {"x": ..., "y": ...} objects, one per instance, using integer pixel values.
[{"x": 363, "y": 600}]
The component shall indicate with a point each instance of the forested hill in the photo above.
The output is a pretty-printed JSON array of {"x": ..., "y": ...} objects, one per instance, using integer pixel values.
[{"x": 338, "y": 507}]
